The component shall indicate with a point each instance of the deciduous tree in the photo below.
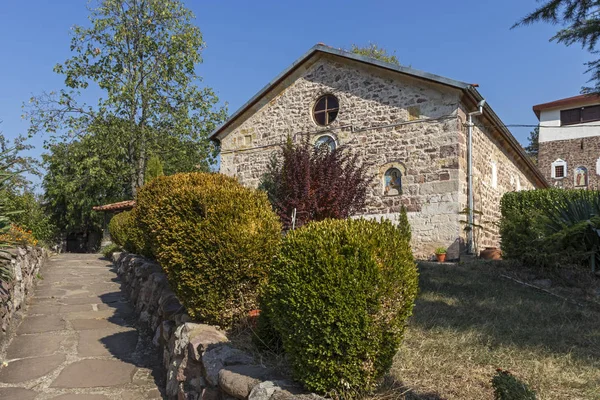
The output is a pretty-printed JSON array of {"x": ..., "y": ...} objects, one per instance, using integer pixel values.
[{"x": 142, "y": 54}]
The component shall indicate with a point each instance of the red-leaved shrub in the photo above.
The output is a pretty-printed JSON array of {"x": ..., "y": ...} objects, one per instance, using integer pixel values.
[{"x": 317, "y": 182}]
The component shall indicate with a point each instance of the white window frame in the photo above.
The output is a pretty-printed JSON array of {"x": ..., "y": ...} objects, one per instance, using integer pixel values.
[{"x": 559, "y": 163}]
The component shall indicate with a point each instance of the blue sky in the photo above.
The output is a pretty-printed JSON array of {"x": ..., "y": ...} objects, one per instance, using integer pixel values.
[{"x": 249, "y": 43}]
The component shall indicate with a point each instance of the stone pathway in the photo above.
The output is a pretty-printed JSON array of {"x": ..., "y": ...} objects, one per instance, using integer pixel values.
[{"x": 77, "y": 340}]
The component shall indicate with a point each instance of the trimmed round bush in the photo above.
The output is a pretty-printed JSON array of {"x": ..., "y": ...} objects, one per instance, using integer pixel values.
[
  {"x": 339, "y": 295},
  {"x": 125, "y": 233},
  {"x": 214, "y": 238},
  {"x": 119, "y": 227}
]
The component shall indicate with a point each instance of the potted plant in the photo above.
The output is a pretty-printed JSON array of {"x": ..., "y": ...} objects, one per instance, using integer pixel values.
[{"x": 440, "y": 254}]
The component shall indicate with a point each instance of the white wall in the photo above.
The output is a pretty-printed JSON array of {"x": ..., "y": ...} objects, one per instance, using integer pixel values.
[{"x": 551, "y": 130}]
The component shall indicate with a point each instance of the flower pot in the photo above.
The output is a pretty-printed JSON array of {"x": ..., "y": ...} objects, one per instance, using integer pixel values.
[
  {"x": 441, "y": 257},
  {"x": 491, "y": 253}
]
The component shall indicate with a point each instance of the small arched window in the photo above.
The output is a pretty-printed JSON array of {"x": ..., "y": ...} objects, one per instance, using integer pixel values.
[
  {"x": 392, "y": 182},
  {"x": 326, "y": 109},
  {"x": 327, "y": 141}
]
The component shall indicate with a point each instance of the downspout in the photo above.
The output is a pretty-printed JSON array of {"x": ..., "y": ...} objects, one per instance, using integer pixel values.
[{"x": 470, "y": 219}]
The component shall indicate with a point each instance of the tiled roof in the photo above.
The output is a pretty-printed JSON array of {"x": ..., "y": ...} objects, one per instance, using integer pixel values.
[
  {"x": 120, "y": 206},
  {"x": 574, "y": 101}
]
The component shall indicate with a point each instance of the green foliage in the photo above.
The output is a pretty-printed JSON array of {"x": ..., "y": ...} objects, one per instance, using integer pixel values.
[
  {"x": 27, "y": 211},
  {"x": 550, "y": 227},
  {"x": 533, "y": 147},
  {"x": 441, "y": 250},
  {"x": 154, "y": 169},
  {"x": 581, "y": 24},
  {"x": 8, "y": 177},
  {"x": 213, "y": 237},
  {"x": 120, "y": 228},
  {"x": 108, "y": 250},
  {"x": 143, "y": 56},
  {"x": 80, "y": 175},
  {"x": 374, "y": 51},
  {"x": 339, "y": 295},
  {"x": 508, "y": 387}
]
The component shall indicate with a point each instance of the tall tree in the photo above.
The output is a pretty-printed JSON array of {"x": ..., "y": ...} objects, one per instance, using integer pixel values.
[
  {"x": 533, "y": 147},
  {"x": 374, "y": 51},
  {"x": 581, "y": 24},
  {"x": 143, "y": 55}
]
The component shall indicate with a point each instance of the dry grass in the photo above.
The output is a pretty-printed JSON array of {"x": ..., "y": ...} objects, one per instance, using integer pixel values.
[{"x": 468, "y": 321}]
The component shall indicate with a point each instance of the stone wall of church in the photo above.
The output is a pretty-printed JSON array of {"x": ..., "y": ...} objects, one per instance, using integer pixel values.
[
  {"x": 496, "y": 170},
  {"x": 581, "y": 152},
  {"x": 390, "y": 121}
]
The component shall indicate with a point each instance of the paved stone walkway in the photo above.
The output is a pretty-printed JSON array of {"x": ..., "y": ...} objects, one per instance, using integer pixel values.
[{"x": 77, "y": 340}]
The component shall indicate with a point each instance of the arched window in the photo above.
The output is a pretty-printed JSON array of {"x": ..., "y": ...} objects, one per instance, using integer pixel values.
[
  {"x": 392, "y": 182},
  {"x": 581, "y": 177},
  {"x": 326, "y": 140},
  {"x": 326, "y": 109}
]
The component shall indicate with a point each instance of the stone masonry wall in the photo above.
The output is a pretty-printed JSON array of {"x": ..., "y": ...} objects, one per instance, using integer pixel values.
[
  {"x": 389, "y": 120},
  {"x": 200, "y": 361},
  {"x": 582, "y": 152},
  {"x": 488, "y": 152},
  {"x": 24, "y": 265}
]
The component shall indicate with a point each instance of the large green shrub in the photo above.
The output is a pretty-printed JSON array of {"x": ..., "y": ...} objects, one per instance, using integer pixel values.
[
  {"x": 339, "y": 295},
  {"x": 214, "y": 238},
  {"x": 119, "y": 227},
  {"x": 549, "y": 227}
]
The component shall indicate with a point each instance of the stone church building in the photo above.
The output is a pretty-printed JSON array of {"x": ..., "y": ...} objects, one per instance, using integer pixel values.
[{"x": 409, "y": 125}]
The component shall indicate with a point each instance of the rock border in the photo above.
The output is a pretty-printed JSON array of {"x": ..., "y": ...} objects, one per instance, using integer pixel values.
[
  {"x": 24, "y": 263},
  {"x": 199, "y": 359}
]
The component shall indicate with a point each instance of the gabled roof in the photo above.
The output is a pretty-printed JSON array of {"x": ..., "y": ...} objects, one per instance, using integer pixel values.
[
  {"x": 569, "y": 102},
  {"x": 323, "y": 49},
  {"x": 120, "y": 206},
  {"x": 468, "y": 90}
]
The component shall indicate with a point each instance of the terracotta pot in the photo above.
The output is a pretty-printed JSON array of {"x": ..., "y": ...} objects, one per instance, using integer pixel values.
[
  {"x": 441, "y": 257},
  {"x": 491, "y": 253}
]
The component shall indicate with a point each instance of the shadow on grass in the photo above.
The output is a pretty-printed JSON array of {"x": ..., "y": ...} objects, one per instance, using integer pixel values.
[
  {"x": 393, "y": 389},
  {"x": 474, "y": 297}
]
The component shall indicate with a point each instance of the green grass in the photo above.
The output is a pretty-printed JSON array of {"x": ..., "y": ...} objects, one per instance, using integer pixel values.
[{"x": 468, "y": 321}]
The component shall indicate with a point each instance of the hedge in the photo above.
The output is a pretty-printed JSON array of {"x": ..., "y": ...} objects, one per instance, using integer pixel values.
[
  {"x": 119, "y": 228},
  {"x": 214, "y": 238},
  {"x": 339, "y": 295},
  {"x": 549, "y": 227}
]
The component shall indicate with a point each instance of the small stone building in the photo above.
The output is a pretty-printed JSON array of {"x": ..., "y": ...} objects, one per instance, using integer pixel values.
[
  {"x": 569, "y": 141},
  {"x": 408, "y": 124}
]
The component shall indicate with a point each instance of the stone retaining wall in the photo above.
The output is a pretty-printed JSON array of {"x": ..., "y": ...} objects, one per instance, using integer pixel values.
[
  {"x": 200, "y": 361},
  {"x": 24, "y": 265}
]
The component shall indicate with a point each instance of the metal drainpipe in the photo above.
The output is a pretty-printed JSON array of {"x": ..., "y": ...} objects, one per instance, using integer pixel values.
[
  {"x": 470, "y": 187},
  {"x": 470, "y": 219}
]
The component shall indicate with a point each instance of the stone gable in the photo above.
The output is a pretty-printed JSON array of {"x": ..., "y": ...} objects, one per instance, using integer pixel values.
[{"x": 405, "y": 123}]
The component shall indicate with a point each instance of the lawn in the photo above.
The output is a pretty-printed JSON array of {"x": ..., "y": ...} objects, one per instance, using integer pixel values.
[{"x": 468, "y": 321}]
